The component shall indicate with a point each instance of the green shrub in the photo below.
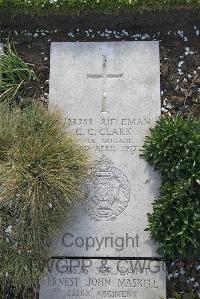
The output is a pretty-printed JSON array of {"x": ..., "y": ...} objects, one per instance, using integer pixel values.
[
  {"x": 180, "y": 296},
  {"x": 173, "y": 148},
  {"x": 41, "y": 173},
  {"x": 15, "y": 76}
]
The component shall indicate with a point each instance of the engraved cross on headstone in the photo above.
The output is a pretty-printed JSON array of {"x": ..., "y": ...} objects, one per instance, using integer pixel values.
[{"x": 105, "y": 75}]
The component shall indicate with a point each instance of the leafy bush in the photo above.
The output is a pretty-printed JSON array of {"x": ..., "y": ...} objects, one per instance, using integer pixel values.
[
  {"x": 180, "y": 296},
  {"x": 15, "y": 75},
  {"x": 173, "y": 148},
  {"x": 41, "y": 172}
]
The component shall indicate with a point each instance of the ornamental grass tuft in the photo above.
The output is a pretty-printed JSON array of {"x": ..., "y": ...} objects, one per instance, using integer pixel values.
[
  {"x": 8, "y": 125},
  {"x": 41, "y": 173},
  {"x": 15, "y": 75}
]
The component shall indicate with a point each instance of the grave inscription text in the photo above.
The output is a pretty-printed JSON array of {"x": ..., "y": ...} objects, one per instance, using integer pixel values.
[{"x": 110, "y": 96}]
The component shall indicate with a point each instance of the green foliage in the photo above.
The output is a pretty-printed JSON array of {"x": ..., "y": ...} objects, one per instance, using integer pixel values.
[
  {"x": 175, "y": 296},
  {"x": 180, "y": 296},
  {"x": 15, "y": 74},
  {"x": 7, "y": 129},
  {"x": 59, "y": 5},
  {"x": 40, "y": 174},
  {"x": 173, "y": 148}
]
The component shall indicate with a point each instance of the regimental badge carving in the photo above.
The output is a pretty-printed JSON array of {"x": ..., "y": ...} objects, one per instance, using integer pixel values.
[{"x": 107, "y": 191}]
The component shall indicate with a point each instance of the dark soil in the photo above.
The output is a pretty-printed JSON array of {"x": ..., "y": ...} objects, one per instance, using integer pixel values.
[
  {"x": 178, "y": 31},
  {"x": 33, "y": 36}
]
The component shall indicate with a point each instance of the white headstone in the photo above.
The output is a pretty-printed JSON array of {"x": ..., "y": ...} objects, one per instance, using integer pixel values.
[{"x": 110, "y": 94}]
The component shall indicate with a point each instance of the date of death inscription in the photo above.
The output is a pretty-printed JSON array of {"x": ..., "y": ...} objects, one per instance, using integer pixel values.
[{"x": 110, "y": 134}]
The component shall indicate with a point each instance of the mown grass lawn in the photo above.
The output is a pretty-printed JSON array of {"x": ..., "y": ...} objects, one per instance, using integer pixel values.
[{"x": 56, "y": 5}]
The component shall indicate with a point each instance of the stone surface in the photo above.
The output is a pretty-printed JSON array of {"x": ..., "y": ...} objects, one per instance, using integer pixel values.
[
  {"x": 110, "y": 94},
  {"x": 104, "y": 279}
]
